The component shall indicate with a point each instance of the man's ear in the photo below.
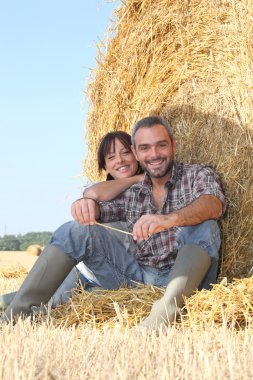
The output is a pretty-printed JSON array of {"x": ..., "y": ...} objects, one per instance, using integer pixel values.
[{"x": 134, "y": 152}]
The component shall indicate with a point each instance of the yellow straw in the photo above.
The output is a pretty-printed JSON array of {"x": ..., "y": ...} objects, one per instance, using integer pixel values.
[{"x": 112, "y": 228}]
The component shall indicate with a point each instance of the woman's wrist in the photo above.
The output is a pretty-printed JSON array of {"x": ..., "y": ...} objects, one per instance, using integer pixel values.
[{"x": 138, "y": 178}]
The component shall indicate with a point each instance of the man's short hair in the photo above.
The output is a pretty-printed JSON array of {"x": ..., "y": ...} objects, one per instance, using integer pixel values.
[{"x": 150, "y": 121}]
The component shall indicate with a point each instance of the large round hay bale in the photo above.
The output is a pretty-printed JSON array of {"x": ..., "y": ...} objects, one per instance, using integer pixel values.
[
  {"x": 34, "y": 250},
  {"x": 192, "y": 62}
]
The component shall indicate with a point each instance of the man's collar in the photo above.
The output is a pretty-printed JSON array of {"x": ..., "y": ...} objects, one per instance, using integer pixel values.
[
  {"x": 146, "y": 180},
  {"x": 177, "y": 172}
]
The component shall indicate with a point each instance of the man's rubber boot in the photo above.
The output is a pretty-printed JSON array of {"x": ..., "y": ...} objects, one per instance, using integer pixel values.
[
  {"x": 6, "y": 299},
  {"x": 48, "y": 272},
  {"x": 191, "y": 266}
]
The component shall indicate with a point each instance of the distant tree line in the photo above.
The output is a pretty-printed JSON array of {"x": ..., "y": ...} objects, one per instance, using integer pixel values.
[{"x": 21, "y": 242}]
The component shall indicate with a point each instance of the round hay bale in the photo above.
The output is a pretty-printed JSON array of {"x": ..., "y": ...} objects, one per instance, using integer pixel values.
[
  {"x": 34, "y": 250},
  {"x": 189, "y": 61}
]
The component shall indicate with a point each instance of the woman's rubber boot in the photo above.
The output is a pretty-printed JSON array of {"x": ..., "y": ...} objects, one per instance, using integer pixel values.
[
  {"x": 6, "y": 299},
  {"x": 191, "y": 266},
  {"x": 48, "y": 272},
  {"x": 61, "y": 295}
]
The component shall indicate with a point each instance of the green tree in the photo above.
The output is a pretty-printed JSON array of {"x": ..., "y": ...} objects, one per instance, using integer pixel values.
[
  {"x": 9, "y": 243},
  {"x": 21, "y": 242},
  {"x": 40, "y": 238}
]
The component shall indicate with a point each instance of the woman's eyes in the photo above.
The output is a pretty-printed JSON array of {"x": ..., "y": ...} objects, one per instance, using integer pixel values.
[{"x": 124, "y": 153}]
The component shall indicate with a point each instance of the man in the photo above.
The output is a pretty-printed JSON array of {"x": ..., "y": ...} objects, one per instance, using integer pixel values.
[{"x": 172, "y": 214}]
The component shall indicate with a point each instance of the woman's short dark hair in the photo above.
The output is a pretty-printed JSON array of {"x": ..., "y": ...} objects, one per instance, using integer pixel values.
[{"x": 105, "y": 148}]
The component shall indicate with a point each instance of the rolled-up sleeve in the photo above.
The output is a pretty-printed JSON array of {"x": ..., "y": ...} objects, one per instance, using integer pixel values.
[{"x": 207, "y": 182}]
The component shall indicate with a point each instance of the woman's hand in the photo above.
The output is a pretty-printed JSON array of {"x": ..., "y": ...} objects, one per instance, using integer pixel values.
[{"x": 85, "y": 211}]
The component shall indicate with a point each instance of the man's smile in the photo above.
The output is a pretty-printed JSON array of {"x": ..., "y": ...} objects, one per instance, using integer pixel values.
[{"x": 156, "y": 162}]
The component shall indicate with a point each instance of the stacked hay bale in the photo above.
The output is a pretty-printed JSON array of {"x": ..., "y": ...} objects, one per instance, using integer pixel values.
[{"x": 189, "y": 61}]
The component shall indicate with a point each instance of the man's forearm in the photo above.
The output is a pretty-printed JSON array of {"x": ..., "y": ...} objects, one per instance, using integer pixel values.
[{"x": 204, "y": 208}]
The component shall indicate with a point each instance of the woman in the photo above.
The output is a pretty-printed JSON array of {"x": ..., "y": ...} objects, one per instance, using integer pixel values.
[{"x": 117, "y": 160}]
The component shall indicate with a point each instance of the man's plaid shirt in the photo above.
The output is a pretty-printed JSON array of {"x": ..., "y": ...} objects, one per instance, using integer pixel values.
[{"x": 187, "y": 183}]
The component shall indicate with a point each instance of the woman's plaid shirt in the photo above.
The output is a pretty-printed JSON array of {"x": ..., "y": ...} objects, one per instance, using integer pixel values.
[{"x": 187, "y": 183}]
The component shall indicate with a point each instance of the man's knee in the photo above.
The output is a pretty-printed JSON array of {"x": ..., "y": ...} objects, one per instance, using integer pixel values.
[
  {"x": 206, "y": 235},
  {"x": 71, "y": 237}
]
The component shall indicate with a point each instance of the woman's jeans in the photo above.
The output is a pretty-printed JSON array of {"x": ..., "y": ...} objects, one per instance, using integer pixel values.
[{"x": 112, "y": 263}]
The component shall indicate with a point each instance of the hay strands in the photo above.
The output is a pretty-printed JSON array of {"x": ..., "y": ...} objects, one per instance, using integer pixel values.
[
  {"x": 124, "y": 307},
  {"x": 226, "y": 304},
  {"x": 12, "y": 272},
  {"x": 113, "y": 228}
]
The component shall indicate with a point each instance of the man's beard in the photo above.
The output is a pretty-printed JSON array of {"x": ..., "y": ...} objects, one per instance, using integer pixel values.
[{"x": 159, "y": 172}]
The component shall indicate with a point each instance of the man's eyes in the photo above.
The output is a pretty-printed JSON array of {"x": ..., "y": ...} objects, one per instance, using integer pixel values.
[{"x": 143, "y": 148}]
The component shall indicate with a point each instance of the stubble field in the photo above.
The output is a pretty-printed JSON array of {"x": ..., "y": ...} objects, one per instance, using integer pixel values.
[{"x": 42, "y": 351}]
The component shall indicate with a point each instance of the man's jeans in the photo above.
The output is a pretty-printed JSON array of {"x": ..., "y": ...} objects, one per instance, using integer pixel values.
[{"x": 112, "y": 265}]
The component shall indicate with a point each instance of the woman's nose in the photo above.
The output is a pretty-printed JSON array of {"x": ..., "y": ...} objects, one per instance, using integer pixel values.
[{"x": 119, "y": 158}]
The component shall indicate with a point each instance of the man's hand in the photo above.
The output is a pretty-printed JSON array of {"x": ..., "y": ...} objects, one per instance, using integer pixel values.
[
  {"x": 205, "y": 207},
  {"x": 85, "y": 211},
  {"x": 150, "y": 224}
]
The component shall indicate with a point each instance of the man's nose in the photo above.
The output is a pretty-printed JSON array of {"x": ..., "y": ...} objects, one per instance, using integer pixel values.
[{"x": 154, "y": 152}]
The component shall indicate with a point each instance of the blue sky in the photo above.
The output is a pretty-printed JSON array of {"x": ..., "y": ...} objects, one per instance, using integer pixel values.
[{"x": 47, "y": 48}]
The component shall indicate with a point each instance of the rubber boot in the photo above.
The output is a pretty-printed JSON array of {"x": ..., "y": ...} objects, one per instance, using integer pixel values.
[
  {"x": 190, "y": 268},
  {"x": 61, "y": 295},
  {"x": 48, "y": 272},
  {"x": 6, "y": 299}
]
